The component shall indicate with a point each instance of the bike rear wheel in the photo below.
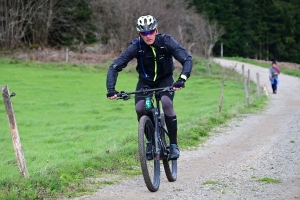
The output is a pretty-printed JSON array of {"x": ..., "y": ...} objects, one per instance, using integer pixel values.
[
  {"x": 169, "y": 165},
  {"x": 150, "y": 168},
  {"x": 170, "y": 169}
]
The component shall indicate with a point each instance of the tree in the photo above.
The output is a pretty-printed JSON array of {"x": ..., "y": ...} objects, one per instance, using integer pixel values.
[
  {"x": 264, "y": 29},
  {"x": 37, "y": 22},
  {"x": 174, "y": 17},
  {"x": 42, "y": 22},
  {"x": 15, "y": 18}
]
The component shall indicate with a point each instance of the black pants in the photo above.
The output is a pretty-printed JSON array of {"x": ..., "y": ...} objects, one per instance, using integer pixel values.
[{"x": 167, "y": 104}]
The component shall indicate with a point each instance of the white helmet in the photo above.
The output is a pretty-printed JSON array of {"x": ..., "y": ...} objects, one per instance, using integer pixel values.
[{"x": 146, "y": 23}]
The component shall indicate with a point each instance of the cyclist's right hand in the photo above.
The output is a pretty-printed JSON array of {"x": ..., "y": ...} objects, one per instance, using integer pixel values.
[{"x": 111, "y": 94}]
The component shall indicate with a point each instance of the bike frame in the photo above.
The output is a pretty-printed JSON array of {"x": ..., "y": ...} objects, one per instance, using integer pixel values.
[
  {"x": 155, "y": 112},
  {"x": 157, "y": 138},
  {"x": 154, "y": 118}
]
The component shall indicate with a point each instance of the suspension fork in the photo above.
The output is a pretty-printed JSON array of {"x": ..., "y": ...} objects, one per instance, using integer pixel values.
[{"x": 157, "y": 138}]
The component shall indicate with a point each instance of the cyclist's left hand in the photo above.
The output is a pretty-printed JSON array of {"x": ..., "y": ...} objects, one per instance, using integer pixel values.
[{"x": 179, "y": 84}]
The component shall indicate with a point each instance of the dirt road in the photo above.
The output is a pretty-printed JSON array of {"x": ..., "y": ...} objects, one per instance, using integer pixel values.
[{"x": 250, "y": 148}]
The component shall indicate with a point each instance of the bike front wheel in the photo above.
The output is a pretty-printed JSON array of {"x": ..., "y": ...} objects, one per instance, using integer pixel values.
[{"x": 150, "y": 167}]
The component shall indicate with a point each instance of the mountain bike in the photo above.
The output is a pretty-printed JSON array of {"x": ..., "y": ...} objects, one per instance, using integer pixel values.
[{"x": 152, "y": 131}]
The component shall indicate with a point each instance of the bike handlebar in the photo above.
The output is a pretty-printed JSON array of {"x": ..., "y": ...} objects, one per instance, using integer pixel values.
[{"x": 126, "y": 95}]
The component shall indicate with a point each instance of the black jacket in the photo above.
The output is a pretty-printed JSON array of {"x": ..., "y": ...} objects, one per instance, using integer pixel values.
[{"x": 146, "y": 69}]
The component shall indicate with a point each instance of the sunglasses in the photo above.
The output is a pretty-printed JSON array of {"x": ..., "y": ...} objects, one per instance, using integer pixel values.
[{"x": 147, "y": 33}]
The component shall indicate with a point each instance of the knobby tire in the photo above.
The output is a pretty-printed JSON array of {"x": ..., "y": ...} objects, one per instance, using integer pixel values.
[
  {"x": 170, "y": 166},
  {"x": 150, "y": 168}
]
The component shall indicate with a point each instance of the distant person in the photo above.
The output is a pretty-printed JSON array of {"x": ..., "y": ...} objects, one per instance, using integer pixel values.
[
  {"x": 274, "y": 72},
  {"x": 154, "y": 53}
]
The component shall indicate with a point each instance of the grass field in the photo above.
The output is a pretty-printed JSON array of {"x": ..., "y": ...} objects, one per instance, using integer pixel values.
[{"x": 72, "y": 135}]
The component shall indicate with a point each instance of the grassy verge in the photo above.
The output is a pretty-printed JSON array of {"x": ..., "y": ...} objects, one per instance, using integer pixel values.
[{"x": 73, "y": 137}]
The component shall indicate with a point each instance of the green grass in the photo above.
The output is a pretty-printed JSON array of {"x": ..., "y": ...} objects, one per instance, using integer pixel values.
[
  {"x": 210, "y": 182},
  {"x": 217, "y": 186},
  {"x": 72, "y": 135},
  {"x": 268, "y": 180}
]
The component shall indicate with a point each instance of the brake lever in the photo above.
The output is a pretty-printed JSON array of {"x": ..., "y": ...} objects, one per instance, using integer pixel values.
[
  {"x": 126, "y": 97},
  {"x": 123, "y": 95}
]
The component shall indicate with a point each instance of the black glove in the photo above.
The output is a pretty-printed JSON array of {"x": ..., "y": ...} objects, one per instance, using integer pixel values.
[
  {"x": 111, "y": 92},
  {"x": 179, "y": 83}
]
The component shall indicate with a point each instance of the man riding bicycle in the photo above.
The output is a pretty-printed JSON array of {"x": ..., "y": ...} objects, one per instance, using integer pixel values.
[{"x": 154, "y": 53}]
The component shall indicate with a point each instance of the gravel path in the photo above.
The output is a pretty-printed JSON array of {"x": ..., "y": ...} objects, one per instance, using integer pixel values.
[{"x": 248, "y": 148}]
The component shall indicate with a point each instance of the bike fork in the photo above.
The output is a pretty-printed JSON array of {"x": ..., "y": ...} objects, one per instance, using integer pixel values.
[{"x": 156, "y": 135}]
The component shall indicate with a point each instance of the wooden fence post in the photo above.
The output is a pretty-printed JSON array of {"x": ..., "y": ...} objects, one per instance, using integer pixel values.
[
  {"x": 67, "y": 55},
  {"x": 243, "y": 72},
  {"x": 208, "y": 68},
  {"x": 246, "y": 92},
  {"x": 248, "y": 79},
  {"x": 258, "y": 85},
  {"x": 221, "y": 96},
  {"x": 14, "y": 131}
]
